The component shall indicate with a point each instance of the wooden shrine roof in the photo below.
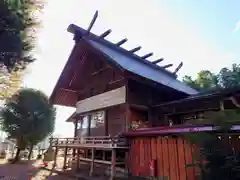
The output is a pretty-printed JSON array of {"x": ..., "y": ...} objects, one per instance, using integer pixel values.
[
  {"x": 211, "y": 94},
  {"x": 129, "y": 61}
]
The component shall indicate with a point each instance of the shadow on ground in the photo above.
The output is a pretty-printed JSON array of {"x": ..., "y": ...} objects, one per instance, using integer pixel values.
[{"x": 22, "y": 170}]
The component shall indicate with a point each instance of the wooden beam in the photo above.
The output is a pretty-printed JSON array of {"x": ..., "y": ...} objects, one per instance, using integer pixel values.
[
  {"x": 178, "y": 68},
  {"x": 157, "y": 61},
  {"x": 191, "y": 111},
  {"x": 97, "y": 84},
  {"x": 100, "y": 70},
  {"x": 167, "y": 66},
  {"x": 136, "y": 106},
  {"x": 92, "y": 22},
  {"x": 135, "y": 49},
  {"x": 105, "y": 34},
  {"x": 117, "y": 80},
  {"x": 147, "y": 55},
  {"x": 68, "y": 90},
  {"x": 121, "y": 42}
]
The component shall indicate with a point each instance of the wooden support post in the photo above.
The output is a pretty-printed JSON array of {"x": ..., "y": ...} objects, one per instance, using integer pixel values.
[
  {"x": 92, "y": 163},
  {"x": 75, "y": 135},
  {"x": 65, "y": 158},
  {"x": 128, "y": 118},
  {"x": 78, "y": 157},
  {"x": 113, "y": 164},
  {"x": 50, "y": 142},
  {"x": 127, "y": 163},
  {"x": 55, "y": 157},
  {"x": 221, "y": 105},
  {"x": 104, "y": 156}
]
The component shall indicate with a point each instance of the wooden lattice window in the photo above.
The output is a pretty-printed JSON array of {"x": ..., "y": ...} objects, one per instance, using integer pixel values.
[{"x": 97, "y": 119}]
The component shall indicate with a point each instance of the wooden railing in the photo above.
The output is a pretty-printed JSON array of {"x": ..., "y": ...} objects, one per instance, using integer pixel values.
[{"x": 98, "y": 141}]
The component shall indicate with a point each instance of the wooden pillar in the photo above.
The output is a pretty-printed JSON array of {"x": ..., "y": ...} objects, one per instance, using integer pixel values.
[
  {"x": 127, "y": 163},
  {"x": 151, "y": 119},
  {"x": 128, "y": 117},
  {"x": 78, "y": 157},
  {"x": 89, "y": 125},
  {"x": 55, "y": 157},
  {"x": 113, "y": 164},
  {"x": 75, "y": 135},
  {"x": 50, "y": 142},
  {"x": 222, "y": 105},
  {"x": 92, "y": 163},
  {"x": 65, "y": 158}
]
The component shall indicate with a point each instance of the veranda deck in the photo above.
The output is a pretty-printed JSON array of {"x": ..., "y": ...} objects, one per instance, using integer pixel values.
[
  {"x": 103, "y": 143},
  {"x": 99, "y": 142}
]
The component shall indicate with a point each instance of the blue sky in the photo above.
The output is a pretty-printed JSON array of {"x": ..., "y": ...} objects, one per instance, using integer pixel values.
[{"x": 204, "y": 34}]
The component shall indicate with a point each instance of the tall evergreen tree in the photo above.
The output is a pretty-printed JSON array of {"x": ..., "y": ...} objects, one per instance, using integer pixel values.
[
  {"x": 28, "y": 117},
  {"x": 18, "y": 26}
]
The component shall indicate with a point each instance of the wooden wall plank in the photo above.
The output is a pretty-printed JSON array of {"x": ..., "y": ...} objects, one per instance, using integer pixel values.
[
  {"x": 149, "y": 156},
  {"x": 141, "y": 157},
  {"x": 189, "y": 160},
  {"x": 171, "y": 158},
  {"x": 170, "y": 153},
  {"x": 166, "y": 157},
  {"x": 160, "y": 158},
  {"x": 181, "y": 159},
  {"x": 175, "y": 154}
]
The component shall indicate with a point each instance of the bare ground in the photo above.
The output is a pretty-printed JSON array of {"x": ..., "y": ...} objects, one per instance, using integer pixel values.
[{"x": 27, "y": 170}]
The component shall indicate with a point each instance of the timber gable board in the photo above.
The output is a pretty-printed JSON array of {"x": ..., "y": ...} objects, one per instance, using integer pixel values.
[{"x": 96, "y": 76}]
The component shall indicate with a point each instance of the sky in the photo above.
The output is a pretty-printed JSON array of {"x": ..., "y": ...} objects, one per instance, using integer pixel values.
[{"x": 203, "y": 34}]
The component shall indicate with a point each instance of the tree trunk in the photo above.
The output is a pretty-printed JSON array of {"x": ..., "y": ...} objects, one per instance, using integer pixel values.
[
  {"x": 17, "y": 156},
  {"x": 30, "y": 152}
]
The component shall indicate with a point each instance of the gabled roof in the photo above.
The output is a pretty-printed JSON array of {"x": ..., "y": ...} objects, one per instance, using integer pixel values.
[{"x": 132, "y": 62}]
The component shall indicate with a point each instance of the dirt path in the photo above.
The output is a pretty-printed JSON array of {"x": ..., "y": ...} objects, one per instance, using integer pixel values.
[{"x": 28, "y": 170}]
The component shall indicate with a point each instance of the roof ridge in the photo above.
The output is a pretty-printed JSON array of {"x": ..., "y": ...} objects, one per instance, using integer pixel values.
[{"x": 80, "y": 33}]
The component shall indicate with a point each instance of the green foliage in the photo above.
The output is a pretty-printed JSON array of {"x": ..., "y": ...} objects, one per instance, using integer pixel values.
[
  {"x": 18, "y": 24},
  {"x": 206, "y": 80},
  {"x": 28, "y": 117},
  {"x": 222, "y": 162},
  {"x": 224, "y": 119}
]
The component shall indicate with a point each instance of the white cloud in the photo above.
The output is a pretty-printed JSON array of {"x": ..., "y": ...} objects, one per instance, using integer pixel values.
[{"x": 237, "y": 27}]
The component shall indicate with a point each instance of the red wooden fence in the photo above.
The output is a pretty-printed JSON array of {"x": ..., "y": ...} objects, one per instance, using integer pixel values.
[{"x": 172, "y": 154}]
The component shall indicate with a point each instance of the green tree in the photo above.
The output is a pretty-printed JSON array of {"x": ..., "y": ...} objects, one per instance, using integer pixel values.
[
  {"x": 222, "y": 161},
  {"x": 206, "y": 80},
  {"x": 28, "y": 117},
  {"x": 18, "y": 25},
  {"x": 10, "y": 83},
  {"x": 229, "y": 78}
]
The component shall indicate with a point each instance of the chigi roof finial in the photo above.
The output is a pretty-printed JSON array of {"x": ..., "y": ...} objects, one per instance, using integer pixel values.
[
  {"x": 92, "y": 22},
  {"x": 80, "y": 32}
]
